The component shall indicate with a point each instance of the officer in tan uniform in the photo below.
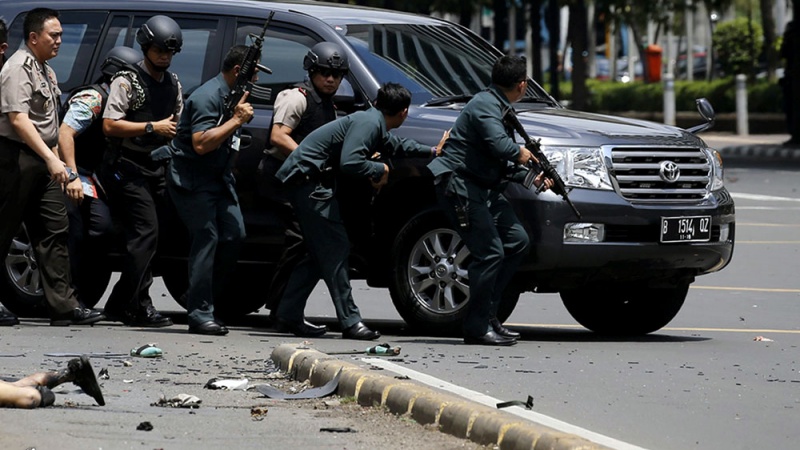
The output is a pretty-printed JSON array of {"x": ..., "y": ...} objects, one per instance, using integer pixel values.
[{"x": 32, "y": 173}]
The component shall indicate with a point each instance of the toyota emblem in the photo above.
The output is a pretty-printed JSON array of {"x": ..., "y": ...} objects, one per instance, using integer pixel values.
[{"x": 669, "y": 171}]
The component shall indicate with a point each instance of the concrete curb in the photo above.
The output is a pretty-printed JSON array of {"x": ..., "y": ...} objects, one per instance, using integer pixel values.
[
  {"x": 762, "y": 152},
  {"x": 452, "y": 414}
]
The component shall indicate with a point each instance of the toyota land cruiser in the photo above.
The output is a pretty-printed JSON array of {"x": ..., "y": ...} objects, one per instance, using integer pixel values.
[{"x": 654, "y": 211}]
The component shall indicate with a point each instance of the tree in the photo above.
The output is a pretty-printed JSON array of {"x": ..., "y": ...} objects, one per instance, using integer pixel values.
[{"x": 768, "y": 25}]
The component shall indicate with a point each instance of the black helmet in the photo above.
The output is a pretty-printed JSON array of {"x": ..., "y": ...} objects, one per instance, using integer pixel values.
[
  {"x": 162, "y": 32},
  {"x": 328, "y": 55},
  {"x": 119, "y": 58}
]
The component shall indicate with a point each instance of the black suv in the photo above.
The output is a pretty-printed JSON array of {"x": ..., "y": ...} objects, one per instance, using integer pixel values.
[{"x": 654, "y": 211}]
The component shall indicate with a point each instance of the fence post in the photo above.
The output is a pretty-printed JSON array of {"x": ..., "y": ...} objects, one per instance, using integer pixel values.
[
  {"x": 669, "y": 98},
  {"x": 741, "y": 106}
]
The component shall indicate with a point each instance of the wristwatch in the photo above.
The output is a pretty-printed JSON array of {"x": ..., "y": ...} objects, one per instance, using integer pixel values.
[{"x": 148, "y": 128}]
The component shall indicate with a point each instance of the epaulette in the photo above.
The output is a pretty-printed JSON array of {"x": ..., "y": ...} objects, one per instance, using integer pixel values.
[
  {"x": 28, "y": 63},
  {"x": 303, "y": 91}
]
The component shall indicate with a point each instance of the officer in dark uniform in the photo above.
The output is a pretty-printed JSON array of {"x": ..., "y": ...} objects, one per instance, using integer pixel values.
[
  {"x": 298, "y": 112},
  {"x": 202, "y": 188},
  {"x": 470, "y": 179},
  {"x": 90, "y": 223},
  {"x": 345, "y": 145},
  {"x": 31, "y": 174},
  {"x": 140, "y": 117}
]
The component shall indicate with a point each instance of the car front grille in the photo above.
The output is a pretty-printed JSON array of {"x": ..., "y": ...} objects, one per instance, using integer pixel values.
[{"x": 661, "y": 173}]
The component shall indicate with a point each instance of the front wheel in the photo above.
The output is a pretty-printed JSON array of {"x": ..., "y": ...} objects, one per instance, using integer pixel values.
[
  {"x": 430, "y": 281},
  {"x": 625, "y": 310}
]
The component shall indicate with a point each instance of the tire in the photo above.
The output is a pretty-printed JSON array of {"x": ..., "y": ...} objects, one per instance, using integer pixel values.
[
  {"x": 21, "y": 288},
  {"x": 242, "y": 296},
  {"x": 625, "y": 310},
  {"x": 430, "y": 282}
]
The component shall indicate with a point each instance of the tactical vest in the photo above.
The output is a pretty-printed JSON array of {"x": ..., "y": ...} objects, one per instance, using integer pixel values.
[
  {"x": 91, "y": 144},
  {"x": 318, "y": 112},
  {"x": 154, "y": 101}
]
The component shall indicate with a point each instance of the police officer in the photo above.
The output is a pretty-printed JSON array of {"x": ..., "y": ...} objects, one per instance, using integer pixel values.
[
  {"x": 470, "y": 179},
  {"x": 89, "y": 216},
  {"x": 140, "y": 117},
  {"x": 32, "y": 174},
  {"x": 202, "y": 187},
  {"x": 344, "y": 145},
  {"x": 7, "y": 318},
  {"x": 298, "y": 112}
]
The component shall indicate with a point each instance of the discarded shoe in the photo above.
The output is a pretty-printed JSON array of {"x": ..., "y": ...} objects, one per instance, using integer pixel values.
[
  {"x": 147, "y": 351},
  {"x": 501, "y": 330},
  {"x": 210, "y": 328},
  {"x": 490, "y": 338},
  {"x": 48, "y": 398},
  {"x": 360, "y": 332},
  {"x": 85, "y": 379},
  {"x": 302, "y": 329},
  {"x": 7, "y": 319},
  {"x": 78, "y": 316}
]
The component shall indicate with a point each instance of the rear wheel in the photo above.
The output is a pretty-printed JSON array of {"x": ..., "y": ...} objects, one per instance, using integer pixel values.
[{"x": 625, "y": 310}]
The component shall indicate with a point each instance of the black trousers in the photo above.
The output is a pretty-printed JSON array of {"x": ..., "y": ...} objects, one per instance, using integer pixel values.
[
  {"x": 135, "y": 195},
  {"x": 275, "y": 193},
  {"x": 90, "y": 235},
  {"x": 30, "y": 196}
]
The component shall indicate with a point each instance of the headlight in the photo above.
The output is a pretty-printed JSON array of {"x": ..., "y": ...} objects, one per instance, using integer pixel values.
[
  {"x": 717, "y": 171},
  {"x": 581, "y": 167}
]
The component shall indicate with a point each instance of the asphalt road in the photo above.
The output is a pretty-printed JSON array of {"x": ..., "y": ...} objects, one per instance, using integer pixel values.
[{"x": 722, "y": 375}]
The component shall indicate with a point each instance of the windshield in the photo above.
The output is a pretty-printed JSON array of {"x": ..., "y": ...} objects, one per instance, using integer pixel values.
[{"x": 431, "y": 61}]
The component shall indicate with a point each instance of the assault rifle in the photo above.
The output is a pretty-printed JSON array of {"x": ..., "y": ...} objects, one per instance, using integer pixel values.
[
  {"x": 544, "y": 164},
  {"x": 244, "y": 81}
]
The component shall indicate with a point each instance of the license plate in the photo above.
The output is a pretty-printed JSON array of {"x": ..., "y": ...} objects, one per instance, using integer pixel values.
[{"x": 686, "y": 229}]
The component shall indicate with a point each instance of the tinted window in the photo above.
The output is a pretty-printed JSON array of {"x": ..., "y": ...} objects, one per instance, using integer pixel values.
[
  {"x": 282, "y": 51},
  {"x": 81, "y": 31}
]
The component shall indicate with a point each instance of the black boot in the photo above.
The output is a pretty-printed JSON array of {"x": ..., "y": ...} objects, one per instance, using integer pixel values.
[{"x": 48, "y": 398}]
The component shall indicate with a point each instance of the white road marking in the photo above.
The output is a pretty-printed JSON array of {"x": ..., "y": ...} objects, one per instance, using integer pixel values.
[
  {"x": 770, "y": 198},
  {"x": 492, "y": 402}
]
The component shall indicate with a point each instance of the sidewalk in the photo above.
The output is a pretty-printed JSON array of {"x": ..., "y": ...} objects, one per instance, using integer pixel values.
[{"x": 763, "y": 147}]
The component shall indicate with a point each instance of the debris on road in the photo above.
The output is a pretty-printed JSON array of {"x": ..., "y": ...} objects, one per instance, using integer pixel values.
[
  {"x": 103, "y": 374},
  {"x": 526, "y": 404},
  {"x": 258, "y": 413},
  {"x": 179, "y": 401},
  {"x": 762, "y": 339},
  {"x": 147, "y": 351},
  {"x": 323, "y": 391},
  {"x": 145, "y": 426},
  {"x": 338, "y": 430},
  {"x": 230, "y": 385}
]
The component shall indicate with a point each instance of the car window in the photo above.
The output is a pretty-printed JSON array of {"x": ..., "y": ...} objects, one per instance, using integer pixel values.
[
  {"x": 283, "y": 51},
  {"x": 81, "y": 31}
]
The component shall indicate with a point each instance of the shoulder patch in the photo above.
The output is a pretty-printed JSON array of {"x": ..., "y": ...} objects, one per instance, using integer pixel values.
[
  {"x": 28, "y": 63},
  {"x": 303, "y": 91}
]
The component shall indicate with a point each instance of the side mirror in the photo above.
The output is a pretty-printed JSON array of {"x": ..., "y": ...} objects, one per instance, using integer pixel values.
[{"x": 707, "y": 112}]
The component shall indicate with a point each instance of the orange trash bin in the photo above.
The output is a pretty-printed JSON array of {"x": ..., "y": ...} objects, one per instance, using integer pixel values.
[{"x": 653, "y": 60}]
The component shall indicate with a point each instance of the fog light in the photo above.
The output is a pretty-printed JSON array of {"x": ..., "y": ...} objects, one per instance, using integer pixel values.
[
  {"x": 584, "y": 232},
  {"x": 724, "y": 231}
]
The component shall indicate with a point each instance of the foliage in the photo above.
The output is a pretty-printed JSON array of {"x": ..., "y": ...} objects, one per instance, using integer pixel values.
[
  {"x": 737, "y": 47},
  {"x": 606, "y": 96}
]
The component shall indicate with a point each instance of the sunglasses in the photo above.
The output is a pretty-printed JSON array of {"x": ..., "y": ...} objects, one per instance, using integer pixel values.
[{"x": 325, "y": 72}]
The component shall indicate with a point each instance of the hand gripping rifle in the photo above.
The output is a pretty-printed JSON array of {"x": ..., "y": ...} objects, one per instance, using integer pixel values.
[
  {"x": 549, "y": 171},
  {"x": 244, "y": 81}
]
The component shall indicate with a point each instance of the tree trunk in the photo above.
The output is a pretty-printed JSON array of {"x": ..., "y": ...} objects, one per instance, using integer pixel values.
[
  {"x": 768, "y": 23},
  {"x": 535, "y": 22},
  {"x": 577, "y": 32},
  {"x": 553, "y": 20},
  {"x": 500, "y": 23}
]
